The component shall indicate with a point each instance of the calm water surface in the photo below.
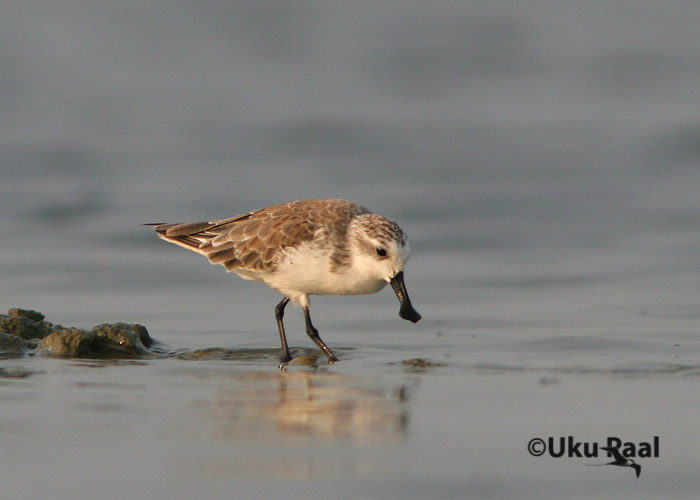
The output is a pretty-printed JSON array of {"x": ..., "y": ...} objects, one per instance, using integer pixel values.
[{"x": 543, "y": 159}]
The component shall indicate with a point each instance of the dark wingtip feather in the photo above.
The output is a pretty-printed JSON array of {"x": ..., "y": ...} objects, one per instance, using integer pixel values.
[{"x": 159, "y": 227}]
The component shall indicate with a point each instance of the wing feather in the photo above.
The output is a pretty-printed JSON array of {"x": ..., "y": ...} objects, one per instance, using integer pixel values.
[{"x": 255, "y": 240}]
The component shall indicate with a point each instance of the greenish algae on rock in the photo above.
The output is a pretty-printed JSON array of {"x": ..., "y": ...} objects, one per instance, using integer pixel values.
[
  {"x": 134, "y": 336},
  {"x": 69, "y": 343},
  {"x": 21, "y": 329},
  {"x": 26, "y": 324},
  {"x": 12, "y": 344}
]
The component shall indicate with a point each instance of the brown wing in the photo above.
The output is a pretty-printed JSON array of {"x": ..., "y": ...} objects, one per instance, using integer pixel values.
[{"x": 253, "y": 241}]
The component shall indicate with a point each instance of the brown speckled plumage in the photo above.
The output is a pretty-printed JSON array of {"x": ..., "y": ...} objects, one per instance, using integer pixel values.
[{"x": 254, "y": 240}]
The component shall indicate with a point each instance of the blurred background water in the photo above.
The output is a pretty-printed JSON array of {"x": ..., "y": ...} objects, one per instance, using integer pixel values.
[{"x": 543, "y": 157}]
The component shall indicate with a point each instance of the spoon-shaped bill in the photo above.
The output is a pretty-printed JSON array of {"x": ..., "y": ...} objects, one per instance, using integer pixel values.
[{"x": 406, "y": 311}]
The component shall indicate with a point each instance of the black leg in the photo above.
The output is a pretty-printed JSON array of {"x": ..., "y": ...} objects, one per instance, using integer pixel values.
[
  {"x": 279, "y": 314},
  {"x": 313, "y": 334}
]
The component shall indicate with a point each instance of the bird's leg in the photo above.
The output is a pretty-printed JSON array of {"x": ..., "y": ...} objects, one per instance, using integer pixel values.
[
  {"x": 313, "y": 334},
  {"x": 279, "y": 314}
]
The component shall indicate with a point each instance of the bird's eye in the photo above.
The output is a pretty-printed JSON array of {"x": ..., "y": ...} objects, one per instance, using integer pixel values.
[{"x": 381, "y": 252}]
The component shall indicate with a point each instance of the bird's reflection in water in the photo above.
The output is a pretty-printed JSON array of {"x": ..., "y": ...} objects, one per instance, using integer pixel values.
[
  {"x": 300, "y": 424},
  {"x": 280, "y": 406}
]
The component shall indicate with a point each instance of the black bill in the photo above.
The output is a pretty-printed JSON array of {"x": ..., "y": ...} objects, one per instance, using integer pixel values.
[{"x": 406, "y": 311}]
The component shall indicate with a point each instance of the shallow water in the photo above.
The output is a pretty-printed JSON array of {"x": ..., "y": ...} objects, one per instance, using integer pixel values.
[{"x": 542, "y": 158}]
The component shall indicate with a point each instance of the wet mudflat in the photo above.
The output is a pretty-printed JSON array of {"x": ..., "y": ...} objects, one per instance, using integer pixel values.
[{"x": 453, "y": 423}]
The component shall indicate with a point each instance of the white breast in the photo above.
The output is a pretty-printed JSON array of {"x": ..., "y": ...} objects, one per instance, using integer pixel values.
[{"x": 307, "y": 270}]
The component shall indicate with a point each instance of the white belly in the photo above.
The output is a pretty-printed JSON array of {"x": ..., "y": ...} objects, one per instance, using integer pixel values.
[{"x": 309, "y": 272}]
